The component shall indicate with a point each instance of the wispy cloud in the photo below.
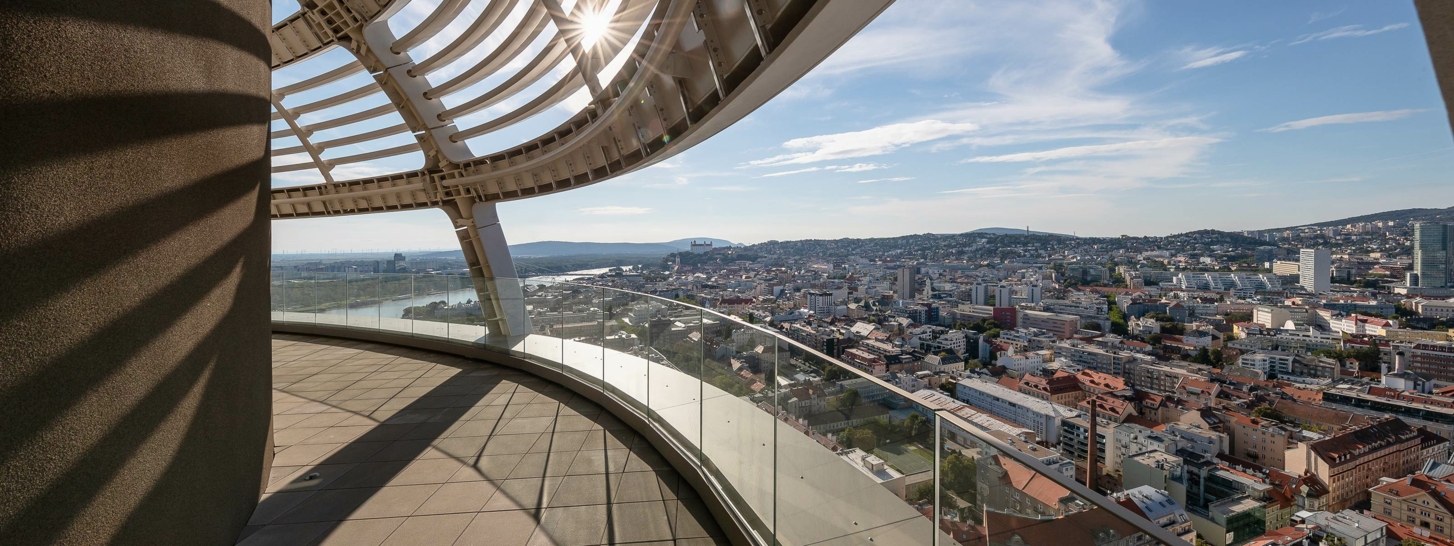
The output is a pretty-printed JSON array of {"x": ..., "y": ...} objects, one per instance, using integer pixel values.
[
  {"x": 614, "y": 211},
  {"x": 792, "y": 172},
  {"x": 1362, "y": 117},
  {"x": 870, "y": 142},
  {"x": 1348, "y": 31},
  {"x": 731, "y": 188},
  {"x": 1321, "y": 15},
  {"x": 859, "y": 167},
  {"x": 894, "y": 179},
  {"x": 1120, "y": 148},
  {"x": 1215, "y": 59},
  {"x": 854, "y": 168}
]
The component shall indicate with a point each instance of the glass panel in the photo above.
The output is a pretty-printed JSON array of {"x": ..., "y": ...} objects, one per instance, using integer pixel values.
[
  {"x": 332, "y": 293},
  {"x": 867, "y": 453},
  {"x": 396, "y": 295},
  {"x": 998, "y": 485},
  {"x": 301, "y": 298},
  {"x": 543, "y": 303},
  {"x": 277, "y": 297},
  {"x": 625, "y": 363},
  {"x": 466, "y": 316},
  {"x": 675, "y": 376},
  {"x": 363, "y": 300},
  {"x": 737, "y": 423},
  {"x": 583, "y": 327},
  {"x": 430, "y": 306}
]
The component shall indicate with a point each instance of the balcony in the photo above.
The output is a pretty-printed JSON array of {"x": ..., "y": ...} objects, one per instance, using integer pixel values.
[{"x": 785, "y": 444}]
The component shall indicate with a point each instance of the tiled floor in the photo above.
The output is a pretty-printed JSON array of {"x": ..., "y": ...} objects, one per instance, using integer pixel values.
[{"x": 378, "y": 444}]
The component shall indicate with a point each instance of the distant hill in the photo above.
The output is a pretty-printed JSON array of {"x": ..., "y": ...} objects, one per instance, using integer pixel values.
[
  {"x": 1015, "y": 231},
  {"x": 1426, "y": 215},
  {"x": 567, "y": 248}
]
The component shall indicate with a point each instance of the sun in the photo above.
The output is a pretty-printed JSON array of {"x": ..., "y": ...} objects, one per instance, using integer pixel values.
[{"x": 595, "y": 25}]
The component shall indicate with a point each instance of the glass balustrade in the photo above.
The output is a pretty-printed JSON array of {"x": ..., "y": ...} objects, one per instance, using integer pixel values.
[{"x": 803, "y": 447}]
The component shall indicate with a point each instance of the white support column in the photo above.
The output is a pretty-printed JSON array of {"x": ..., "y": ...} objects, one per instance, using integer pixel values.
[{"x": 502, "y": 286}]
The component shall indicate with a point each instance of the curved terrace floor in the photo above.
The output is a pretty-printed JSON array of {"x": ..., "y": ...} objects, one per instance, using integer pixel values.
[{"x": 378, "y": 444}]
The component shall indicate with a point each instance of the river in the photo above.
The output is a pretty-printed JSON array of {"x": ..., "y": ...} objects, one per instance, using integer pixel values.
[{"x": 395, "y": 308}]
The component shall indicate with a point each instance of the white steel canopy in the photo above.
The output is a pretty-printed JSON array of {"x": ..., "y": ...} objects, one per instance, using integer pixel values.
[{"x": 656, "y": 76}]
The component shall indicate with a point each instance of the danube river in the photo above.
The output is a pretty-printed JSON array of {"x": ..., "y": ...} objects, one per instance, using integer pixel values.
[{"x": 395, "y": 308}]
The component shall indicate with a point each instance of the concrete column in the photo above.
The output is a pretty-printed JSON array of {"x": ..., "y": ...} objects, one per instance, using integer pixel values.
[
  {"x": 134, "y": 339},
  {"x": 503, "y": 287}
]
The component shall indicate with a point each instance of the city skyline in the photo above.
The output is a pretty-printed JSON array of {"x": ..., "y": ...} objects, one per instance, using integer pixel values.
[{"x": 937, "y": 120}]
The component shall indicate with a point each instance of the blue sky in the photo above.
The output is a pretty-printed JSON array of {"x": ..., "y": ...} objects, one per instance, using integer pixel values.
[{"x": 1099, "y": 118}]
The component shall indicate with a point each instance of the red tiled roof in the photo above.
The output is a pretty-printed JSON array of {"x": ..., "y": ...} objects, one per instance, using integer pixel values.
[
  {"x": 1384, "y": 433},
  {"x": 1009, "y": 383},
  {"x": 1106, "y": 404},
  {"x": 1303, "y": 395},
  {"x": 1032, "y": 483},
  {"x": 1279, "y": 537},
  {"x": 1100, "y": 381}
]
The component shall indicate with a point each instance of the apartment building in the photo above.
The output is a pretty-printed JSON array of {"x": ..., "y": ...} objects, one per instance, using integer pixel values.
[
  {"x": 1353, "y": 461},
  {"x": 1061, "y": 388},
  {"x": 1060, "y": 326},
  {"x": 1094, "y": 358},
  {"x": 1422, "y": 501},
  {"x": 1258, "y": 440},
  {"x": 1163, "y": 377},
  {"x": 1268, "y": 362},
  {"x": 1040, "y": 416}
]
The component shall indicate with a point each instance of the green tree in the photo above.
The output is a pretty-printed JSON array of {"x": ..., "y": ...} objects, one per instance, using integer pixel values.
[
  {"x": 1203, "y": 356},
  {"x": 848, "y": 400},
  {"x": 1267, "y": 412},
  {"x": 860, "y": 438},
  {"x": 957, "y": 474},
  {"x": 915, "y": 425}
]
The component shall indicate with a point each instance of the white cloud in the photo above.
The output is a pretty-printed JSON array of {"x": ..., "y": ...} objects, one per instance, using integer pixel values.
[
  {"x": 1362, "y": 117},
  {"x": 894, "y": 179},
  {"x": 1215, "y": 59},
  {"x": 614, "y": 211},
  {"x": 859, "y": 167},
  {"x": 1321, "y": 15},
  {"x": 1119, "y": 148},
  {"x": 798, "y": 171},
  {"x": 870, "y": 142},
  {"x": 1349, "y": 31}
]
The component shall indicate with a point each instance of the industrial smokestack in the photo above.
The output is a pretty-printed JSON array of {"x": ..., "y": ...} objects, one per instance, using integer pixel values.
[{"x": 1092, "y": 450}]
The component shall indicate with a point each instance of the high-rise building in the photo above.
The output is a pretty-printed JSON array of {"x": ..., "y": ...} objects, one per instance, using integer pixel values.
[
  {"x": 1432, "y": 246},
  {"x": 1033, "y": 292},
  {"x": 820, "y": 302},
  {"x": 1004, "y": 295},
  {"x": 978, "y": 293},
  {"x": 1315, "y": 267},
  {"x": 904, "y": 290}
]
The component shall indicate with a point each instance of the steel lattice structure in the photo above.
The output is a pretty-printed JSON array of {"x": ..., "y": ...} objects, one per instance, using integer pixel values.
[{"x": 697, "y": 67}]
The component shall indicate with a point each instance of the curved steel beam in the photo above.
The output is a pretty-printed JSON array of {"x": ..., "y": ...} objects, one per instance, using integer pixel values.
[{"x": 697, "y": 68}]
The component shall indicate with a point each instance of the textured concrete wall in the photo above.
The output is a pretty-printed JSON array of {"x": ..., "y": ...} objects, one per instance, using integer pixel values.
[
  {"x": 134, "y": 336},
  {"x": 1437, "y": 18}
]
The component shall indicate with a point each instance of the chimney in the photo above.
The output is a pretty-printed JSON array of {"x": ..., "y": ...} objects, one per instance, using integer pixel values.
[
  {"x": 1400, "y": 362},
  {"x": 1092, "y": 449}
]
